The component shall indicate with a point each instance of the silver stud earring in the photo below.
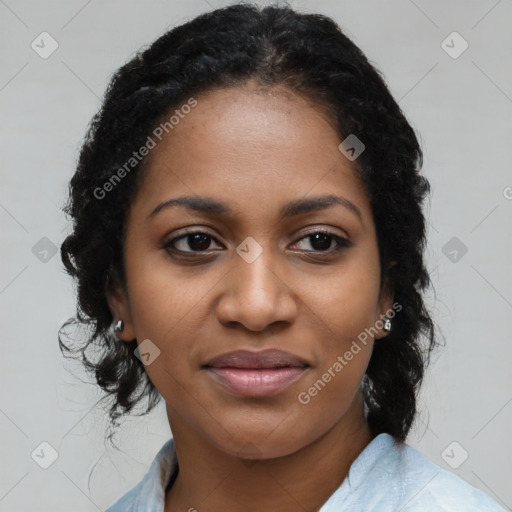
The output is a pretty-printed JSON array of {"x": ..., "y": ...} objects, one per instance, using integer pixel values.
[
  {"x": 387, "y": 324},
  {"x": 119, "y": 326}
]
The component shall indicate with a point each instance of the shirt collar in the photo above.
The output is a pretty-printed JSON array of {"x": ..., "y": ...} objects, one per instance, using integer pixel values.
[{"x": 151, "y": 495}]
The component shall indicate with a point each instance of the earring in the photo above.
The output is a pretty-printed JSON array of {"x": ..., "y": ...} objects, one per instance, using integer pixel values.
[
  {"x": 119, "y": 326},
  {"x": 387, "y": 324}
]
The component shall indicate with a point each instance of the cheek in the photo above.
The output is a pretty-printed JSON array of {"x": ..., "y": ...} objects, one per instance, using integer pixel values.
[
  {"x": 347, "y": 310},
  {"x": 166, "y": 309},
  {"x": 346, "y": 299},
  {"x": 164, "y": 298},
  {"x": 345, "y": 303}
]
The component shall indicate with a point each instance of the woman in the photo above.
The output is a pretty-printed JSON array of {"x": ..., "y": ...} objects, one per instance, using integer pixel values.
[{"x": 248, "y": 244}]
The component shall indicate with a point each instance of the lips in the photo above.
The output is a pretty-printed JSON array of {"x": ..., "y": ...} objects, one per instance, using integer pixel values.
[
  {"x": 256, "y": 374},
  {"x": 256, "y": 360}
]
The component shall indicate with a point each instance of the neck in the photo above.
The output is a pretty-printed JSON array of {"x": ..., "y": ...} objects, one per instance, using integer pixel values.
[{"x": 209, "y": 479}]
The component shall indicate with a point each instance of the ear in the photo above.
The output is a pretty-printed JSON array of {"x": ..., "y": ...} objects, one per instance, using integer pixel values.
[
  {"x": 119, "y": 305},
  {"x": 385, "y": 304}
]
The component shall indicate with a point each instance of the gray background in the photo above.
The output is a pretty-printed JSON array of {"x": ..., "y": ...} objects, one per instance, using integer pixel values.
[{"x": 462, "y": 107}]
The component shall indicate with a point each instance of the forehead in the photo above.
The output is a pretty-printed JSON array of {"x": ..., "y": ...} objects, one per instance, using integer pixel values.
[{"x": 251, "y": 143}]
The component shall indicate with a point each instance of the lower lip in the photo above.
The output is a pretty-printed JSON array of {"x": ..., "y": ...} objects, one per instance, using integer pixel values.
[{"x": 256, "y": 382}]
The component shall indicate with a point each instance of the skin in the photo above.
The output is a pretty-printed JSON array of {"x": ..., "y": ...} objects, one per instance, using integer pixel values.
[{"x": 255, "y": 150}]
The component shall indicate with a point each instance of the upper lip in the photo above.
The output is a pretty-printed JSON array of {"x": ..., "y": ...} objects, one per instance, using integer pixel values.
[{"x": 270, "y": 358}]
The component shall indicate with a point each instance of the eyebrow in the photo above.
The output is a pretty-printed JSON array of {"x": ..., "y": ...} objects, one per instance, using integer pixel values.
[{"x": 299, "y": 206}]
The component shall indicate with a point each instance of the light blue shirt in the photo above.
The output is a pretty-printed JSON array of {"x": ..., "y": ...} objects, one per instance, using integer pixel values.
[{"x": 385, "y": 477}]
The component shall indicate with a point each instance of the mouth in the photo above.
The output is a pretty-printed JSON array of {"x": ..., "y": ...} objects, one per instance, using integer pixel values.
[{"x": 256, "y": 374}]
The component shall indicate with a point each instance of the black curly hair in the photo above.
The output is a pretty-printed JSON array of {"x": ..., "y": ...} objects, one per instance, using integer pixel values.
[{"x": 275, "y": 46}]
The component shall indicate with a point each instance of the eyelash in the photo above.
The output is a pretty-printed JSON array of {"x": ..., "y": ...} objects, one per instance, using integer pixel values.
[{"x": 343, "y": 243}]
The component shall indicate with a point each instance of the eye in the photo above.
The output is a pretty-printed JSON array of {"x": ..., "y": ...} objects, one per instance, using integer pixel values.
[
  {"x": 192, "y": 242},
  {"x": 324, "y": 241},
  {"x": 197, "y": 242}
]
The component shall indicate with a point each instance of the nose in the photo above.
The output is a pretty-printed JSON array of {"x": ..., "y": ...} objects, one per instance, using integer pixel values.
[{"x": 256, "y": 296}]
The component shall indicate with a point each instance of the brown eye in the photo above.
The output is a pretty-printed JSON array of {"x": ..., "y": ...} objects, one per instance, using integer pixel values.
[
  {"x": 190, "y": 242},
  {"x": 324, "y": 241}
]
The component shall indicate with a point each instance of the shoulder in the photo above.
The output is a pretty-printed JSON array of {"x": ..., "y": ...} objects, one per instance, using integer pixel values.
[
  {"x": 387, "y": 476},
  {"x": 428, "y": 487},
  {"x": 149, "y": 493}
]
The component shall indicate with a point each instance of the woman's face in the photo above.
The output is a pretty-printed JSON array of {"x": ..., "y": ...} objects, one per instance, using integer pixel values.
[{"x": 254, "y": 277}]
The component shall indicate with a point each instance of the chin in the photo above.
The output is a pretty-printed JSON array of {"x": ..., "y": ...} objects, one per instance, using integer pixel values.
[{"x": 262, "y": 441}]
